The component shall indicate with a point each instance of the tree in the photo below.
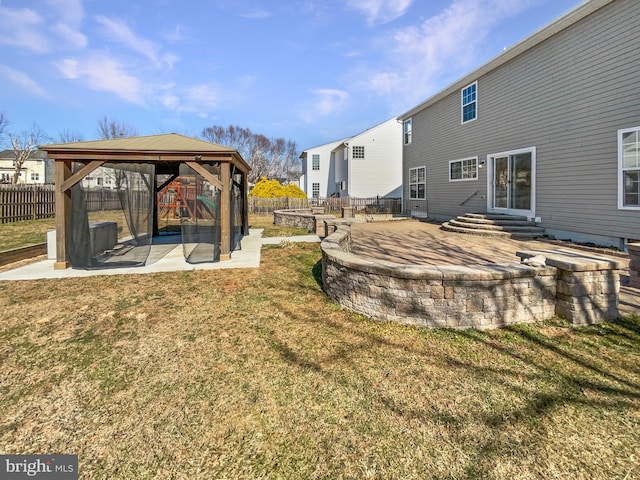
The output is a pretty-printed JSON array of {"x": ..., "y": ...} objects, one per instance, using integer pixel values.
[
  {"x": 23, "y": 145},
  {"x": 267, "y": 157},
  {"x": 4, "y": 122},
  {"x": 68, "y": 136},
  {"x": 113, "y": 129}
]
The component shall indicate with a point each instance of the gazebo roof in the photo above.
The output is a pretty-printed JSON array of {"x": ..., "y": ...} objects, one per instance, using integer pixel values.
[
  {"x": 151, "y": 143},
  {"x": 152, "y": 148}
]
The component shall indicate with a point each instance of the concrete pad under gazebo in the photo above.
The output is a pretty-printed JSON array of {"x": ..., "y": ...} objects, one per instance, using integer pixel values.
[{"x": 166, "y": 153}]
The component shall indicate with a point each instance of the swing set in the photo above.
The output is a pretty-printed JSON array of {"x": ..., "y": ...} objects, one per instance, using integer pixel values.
[{"x": 179, "y": 201}]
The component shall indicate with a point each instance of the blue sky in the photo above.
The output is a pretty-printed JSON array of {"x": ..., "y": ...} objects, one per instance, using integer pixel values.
[{"x": 311, "y": 71}]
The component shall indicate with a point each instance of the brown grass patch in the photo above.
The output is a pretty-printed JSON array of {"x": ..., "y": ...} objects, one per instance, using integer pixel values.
[{"x": 255, "y": 374}]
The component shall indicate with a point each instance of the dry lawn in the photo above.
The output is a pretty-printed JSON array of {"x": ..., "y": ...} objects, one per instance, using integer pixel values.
[
  {"x": 30, "y": 232},
  {"x": 255, "y": 374}
]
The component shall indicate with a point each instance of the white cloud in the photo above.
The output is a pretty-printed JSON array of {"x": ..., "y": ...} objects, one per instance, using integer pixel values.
[
  {"x": 203, "y": 96},
  {"x": 446, "y": 43},
  {"x": 256, "y": 15},
  {"x": 72, "y": 37},
  {"x": 380, "y": 11},
  {"x": 327, "y": 101},
  {"x": 22, "y": 27},
  {"x": 120, "y": 32},
  {"x": 23, "y": 80},
  {"x": 68, "y": 12},
  {"x": 103, "y": 73}
]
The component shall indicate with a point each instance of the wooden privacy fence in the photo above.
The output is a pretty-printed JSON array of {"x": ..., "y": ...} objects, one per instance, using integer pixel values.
[
  {"x": 26, "y": 202},
  {"x": 33, "y": 202}
]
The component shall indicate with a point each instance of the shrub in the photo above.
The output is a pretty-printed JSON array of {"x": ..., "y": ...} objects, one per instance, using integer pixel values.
[{"x": 266, "y": 188}]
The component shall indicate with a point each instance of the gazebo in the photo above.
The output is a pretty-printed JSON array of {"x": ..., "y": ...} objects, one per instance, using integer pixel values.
[{"x": 213, "y": 205}]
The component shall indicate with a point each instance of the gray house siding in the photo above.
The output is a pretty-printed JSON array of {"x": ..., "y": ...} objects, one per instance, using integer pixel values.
[{"x": 567, "y": 96}]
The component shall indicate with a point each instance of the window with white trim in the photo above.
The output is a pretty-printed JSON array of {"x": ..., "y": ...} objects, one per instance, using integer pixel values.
[
  {"x": 315, "y": 190},
  {"x": 358, "y": 151},
  {"x": 462, "y": 170},
  {"x": 407, "y": 130},
  {"x": 629, "y": 168},
  {"x": 469, "y": 99},
  {"x": 5, "y": 178},
  {"x": 35, "y": 176},
  {"x": 315, "y": 161},
  {"x": 418, "y": 183}
]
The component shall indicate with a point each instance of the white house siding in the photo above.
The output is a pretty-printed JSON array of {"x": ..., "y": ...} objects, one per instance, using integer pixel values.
[
  {"x": 380, "y": 172},
  {"x": 567, "y": 97},
  {"x": 341, "y": 177},
  {"x": 33, "y": 170},
  {"x": 325, "y": 175}
]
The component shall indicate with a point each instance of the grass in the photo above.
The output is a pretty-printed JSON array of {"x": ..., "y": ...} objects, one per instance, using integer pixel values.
[
  {"x": 255, "y": 374},
  {"x": 30, "y": 232},
  {"x": 271, "y": 230}
]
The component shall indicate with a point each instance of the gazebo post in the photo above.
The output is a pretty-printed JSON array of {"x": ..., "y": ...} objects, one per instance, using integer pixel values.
[
  {"x": 245, "y": 209},
  {"x": 63, "y": 213},
  {"x": 225, "y": 218}
]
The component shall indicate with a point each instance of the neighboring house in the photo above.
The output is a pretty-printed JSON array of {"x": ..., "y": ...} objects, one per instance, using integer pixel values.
[
  {"x": 366, "y": 165},
  {"x": 318, "y": 171},
  {"x": 370, "y": 164},
  {"x": 37, "y": 169},
  {"x": 100, "y": 178},
  {"x": 549, "y": 129}
]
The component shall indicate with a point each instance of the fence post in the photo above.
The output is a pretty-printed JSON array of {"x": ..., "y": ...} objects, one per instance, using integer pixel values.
[{"x": 34, "y": 204}]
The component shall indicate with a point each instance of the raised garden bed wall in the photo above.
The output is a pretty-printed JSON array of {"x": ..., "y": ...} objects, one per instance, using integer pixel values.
[
  {"x": 301, "y": 218},
  {"x": 477, "y": 296}
]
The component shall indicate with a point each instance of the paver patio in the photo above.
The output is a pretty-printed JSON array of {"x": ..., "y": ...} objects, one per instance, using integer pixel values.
[{"x": 415, "y": 242}]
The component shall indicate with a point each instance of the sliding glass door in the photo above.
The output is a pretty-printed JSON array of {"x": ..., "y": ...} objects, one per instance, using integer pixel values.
[{"x": 513, "y": 182}]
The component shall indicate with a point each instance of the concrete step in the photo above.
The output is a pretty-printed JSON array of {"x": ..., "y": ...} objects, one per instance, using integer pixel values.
[
  {"x": 485, "y": 221},
  {"x": 492, "y": 216},
  {"x": 449, "y": 227},
  {"x": 527, "y": 227}
]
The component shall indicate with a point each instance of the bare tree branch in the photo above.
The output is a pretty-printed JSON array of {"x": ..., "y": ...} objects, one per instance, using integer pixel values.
[
  {"x": 113, "y": 129},
  {"x": 267, "y": 157},
  {"x": 4, "y": 122},
  {"x": 68, "y": 136},
  {"x": 23, "y": 145}
]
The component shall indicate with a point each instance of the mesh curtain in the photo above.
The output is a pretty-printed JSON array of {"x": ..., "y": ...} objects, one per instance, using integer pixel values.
[
  {"x": 200, "y": 215},
  {"x": 237, "y": 212},
  {"x": 124, "y": 239}
]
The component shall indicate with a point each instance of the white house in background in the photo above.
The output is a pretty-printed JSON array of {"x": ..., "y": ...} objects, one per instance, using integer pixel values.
[
  {"x": 318, "y": 170},
  {"x": 370, "y": 164},
  {"x": 366, "y": 165},
  {"x": 100, "y": 178},
  {"x": 34, "y": 170}
]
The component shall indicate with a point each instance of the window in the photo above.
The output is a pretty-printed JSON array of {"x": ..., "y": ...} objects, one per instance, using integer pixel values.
[
  {"x": 315, "y": 190},
  {"x": 358, "y": 152},
  {"x": 465, "y": 169},
  {"x": 407, "y": 131},
  {"x": 629, "y": 168},
  {"x": 5, "y": 178},
  {"x": 315, "y": 161},
  {"x": 470, "y": 102},
  {"x": 35, "y": 177},
  {"x": 418, "y": 183}
]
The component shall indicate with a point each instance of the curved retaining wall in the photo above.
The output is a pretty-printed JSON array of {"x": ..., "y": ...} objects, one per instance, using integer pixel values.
[
  {"x": 481, "y": 296},
  {"x": 581, "y": 288}
]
